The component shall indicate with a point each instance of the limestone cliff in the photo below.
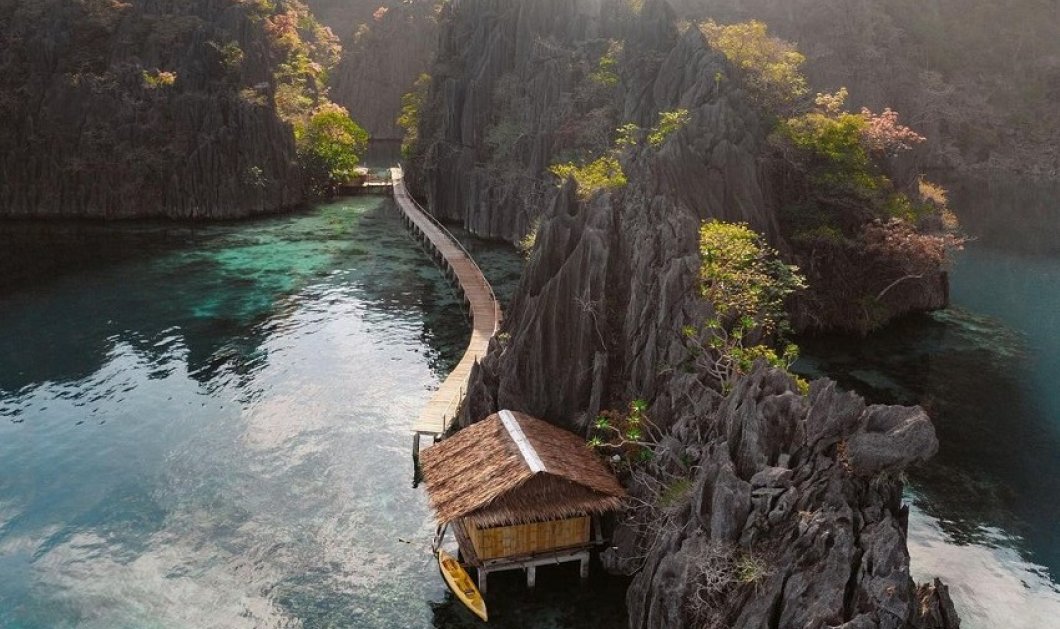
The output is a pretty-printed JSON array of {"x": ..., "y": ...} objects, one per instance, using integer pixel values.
[
  {"x": 518, "y": 87},
  {"x": 140, "y": 108},
  {"x": 382, "y": 57},
  {"x": 807, "y": 485}
]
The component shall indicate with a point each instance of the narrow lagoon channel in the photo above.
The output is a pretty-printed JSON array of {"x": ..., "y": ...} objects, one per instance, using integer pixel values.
[{"x": 208, "y": 426}]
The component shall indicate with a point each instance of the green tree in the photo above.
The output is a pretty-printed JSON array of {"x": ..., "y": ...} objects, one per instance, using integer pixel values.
[
  {"x": 772, "y": 66},
  {"x": 330, "y": 146},
  {"x": 747, "y": 283}
]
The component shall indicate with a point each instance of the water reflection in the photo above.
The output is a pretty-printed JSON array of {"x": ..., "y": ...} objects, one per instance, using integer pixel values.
[
  {"x": 220, "y": 290},
  {"x": 215, "y": 434}
]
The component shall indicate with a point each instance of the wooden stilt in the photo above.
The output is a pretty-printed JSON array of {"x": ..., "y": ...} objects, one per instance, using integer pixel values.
[
  {"x": 482, "y": 574},
  {"x": 531, "y": 576},
  {"x": 585, "y": 567}
]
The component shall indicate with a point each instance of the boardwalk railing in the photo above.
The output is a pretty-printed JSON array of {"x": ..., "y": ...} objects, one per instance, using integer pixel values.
[
  {"x": 399, "y": 188},
  {"x": 438, "y": 414}
]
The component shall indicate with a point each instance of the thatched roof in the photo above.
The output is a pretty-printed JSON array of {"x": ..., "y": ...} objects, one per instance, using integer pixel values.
[{"x": 511, "y": 468}]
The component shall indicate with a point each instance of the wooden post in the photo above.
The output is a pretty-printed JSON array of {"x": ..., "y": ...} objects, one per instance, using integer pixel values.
[
  {"x": 482, "y": 574},
  {"x": 585, "y": 566},
  {"x": 531, "y": 575}
]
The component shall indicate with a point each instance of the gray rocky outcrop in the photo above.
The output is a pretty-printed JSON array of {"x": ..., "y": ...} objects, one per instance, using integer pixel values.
[
  {"x": 610, "y": 287},
  {"x": 776, "y": 487},
  {"x": 791, "y": 510}
]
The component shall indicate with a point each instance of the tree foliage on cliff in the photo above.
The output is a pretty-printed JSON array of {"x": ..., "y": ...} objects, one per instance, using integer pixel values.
[
  {"x": 307, "y": 51},
  {"x": 602, "y": 173},
  {"x": 330, "y": 145},
  {"x": 747, "y": 284},
  {"x": 982, "y": 75},
  {"x": 839, "y": 182},
  {"x": 412, "y": 104},
  {"x": 771, "y": 66}
]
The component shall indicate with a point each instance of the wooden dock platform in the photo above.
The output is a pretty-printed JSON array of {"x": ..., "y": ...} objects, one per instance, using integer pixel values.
[{"x": 437, "y": 416}]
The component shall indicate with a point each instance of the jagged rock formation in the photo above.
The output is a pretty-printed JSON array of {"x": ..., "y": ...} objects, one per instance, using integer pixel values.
[
  {"x": 809, "y": 484},
  {"x": 382, "y": 57},
  {"x": 789, "y": 515},
  {"x": 516, "y": 89},
  {"x": 141, "y": 108}
]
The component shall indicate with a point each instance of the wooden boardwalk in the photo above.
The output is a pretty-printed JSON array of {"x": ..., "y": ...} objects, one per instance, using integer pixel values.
[{"x": 438, "y": 414}]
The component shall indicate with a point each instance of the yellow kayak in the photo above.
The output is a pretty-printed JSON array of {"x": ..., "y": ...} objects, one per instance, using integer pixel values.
[{"x": 461, "y": 584}]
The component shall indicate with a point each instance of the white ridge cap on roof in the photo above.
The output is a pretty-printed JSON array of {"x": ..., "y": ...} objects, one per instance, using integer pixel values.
[{"x": 525, "y": 447}]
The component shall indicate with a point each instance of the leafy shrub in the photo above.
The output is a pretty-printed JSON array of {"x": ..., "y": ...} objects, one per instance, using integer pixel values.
[
  {"x": 527, "y": 243},
  {"x": 771, "y": 66},
  {"x": 818, "y": 234},
  {"x": 627, "y": 135},
  {"x": 831, "y": 149},
  {"x": 603, "y": 173},
  {"x": 158, "y": 79},
  {"x": 839, "y": 152},
  {"x": 626, "y": 436},
  {"x": 884, "y": 135},
  {"x": 932, "y": 193},
  {"x": 669, "y": 122},
  {"x": 750, "y": 568},
  {"x": 606, "y": 71},
  {"x": 232, "y": 56},
  {"x": 915, "y": 254}
]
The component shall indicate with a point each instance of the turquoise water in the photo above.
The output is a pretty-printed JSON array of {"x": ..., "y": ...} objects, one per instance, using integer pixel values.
[
  {"x": 207, "y": 426},
  {"x": 985, "y": 512}
]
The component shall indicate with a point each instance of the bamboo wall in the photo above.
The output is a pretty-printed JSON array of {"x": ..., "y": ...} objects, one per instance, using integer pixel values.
[{"x": 527, "y": 539}]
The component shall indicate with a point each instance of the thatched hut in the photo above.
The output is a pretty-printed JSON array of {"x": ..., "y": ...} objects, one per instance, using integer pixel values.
[{"x": 518, "y": 492}]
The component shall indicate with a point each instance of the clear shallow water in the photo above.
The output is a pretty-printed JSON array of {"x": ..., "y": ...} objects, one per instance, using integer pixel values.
[
  {"x": 985, "y": 512},
  {"x": 207, "y": 426}
]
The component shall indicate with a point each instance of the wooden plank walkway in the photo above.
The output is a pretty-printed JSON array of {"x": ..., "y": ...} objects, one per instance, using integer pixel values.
[{"x": 438, "y": 414}]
